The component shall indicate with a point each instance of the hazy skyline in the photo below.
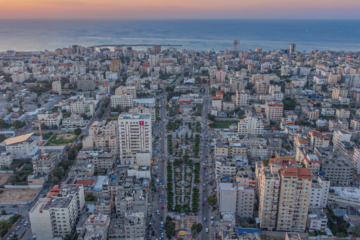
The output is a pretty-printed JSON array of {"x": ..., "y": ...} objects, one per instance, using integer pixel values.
[{"x": 195, "y": 9}]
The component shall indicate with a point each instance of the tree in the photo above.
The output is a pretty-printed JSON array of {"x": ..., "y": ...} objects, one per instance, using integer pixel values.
[
  {"x": 18, "y": 124},
  {"x": 38, "y": 105},
  {"x": 14, "y": 237},
  {"x": 169, "y": 227},
  {"x": 211, "y": 117},
  {"x": 58, "y": 172},
  {"x": 199, "y": 227},
  {"x": 65, "y": 164},
  {"x": 90, "y": 197},
  {"x": 2, "y": 123},
  {"x": 77, "y": 131},
  {"x": 289, "y": 104},
  {"x": 354, "y": 229},
  {"x": 212, "y": 200},
  {"x": 2, "y": 137},
  {"x": 3, "y": 212},
  {"x": 72, "y": 153},
  {"x": 55, "y": 180},
  {"x": 158, "y": 118}
]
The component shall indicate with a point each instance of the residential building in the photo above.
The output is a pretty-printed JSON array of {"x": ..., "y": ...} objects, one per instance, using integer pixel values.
[
  {"x": 312, "y": 113},
  {"x": 220, "y": 75},
  {"x": 250, "y": 126},
  {"x": 342, "y": 113},
  {"x": 115, "y": 65},
  {"x": 6, "y": 158},
  {"x": 56, "y": 87},
  {"x": 123, "y": 90},
  {"x": 46, "y": 165},
  {"x": 96, "y": 227},
  {"x": 82, "y": 106},
  {"x": 125, "y": 100},
  {"x": 319, "y": 191},
  {"x": 146, "y": 110},
  {"x": 216, "y": 103},
  {"x": 355, "y": 124},
  {"x": 318, "y": 140},
  {"x": 102, "y": 159},
  {"x": 337, "y": 125},
  {"x": 261, "y": 87},
  {"x": 242, "y": 98},
  {"x": 50, "y": 119},
  {"x": 86, "y": 85},
  {"x": 274, "y": 110},
  {"x": 135, "y": 135},
  {"x": 340, "y": 136}
]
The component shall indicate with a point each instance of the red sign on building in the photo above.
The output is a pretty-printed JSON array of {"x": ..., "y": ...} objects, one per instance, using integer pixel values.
[{"x": 141, "y": 122}]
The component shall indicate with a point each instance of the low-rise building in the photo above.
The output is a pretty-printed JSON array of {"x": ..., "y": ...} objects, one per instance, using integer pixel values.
[
  {"x": 6, "y": 158},
  {"x": 21, "y": 146},
  {"x": 95, "y": 227}
]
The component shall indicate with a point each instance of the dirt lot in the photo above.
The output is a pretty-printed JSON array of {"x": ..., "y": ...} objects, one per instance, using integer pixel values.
[
  {"x": 4, "y": 177},
  {"x": 66, "y": 136},
  {"x": 17, "y": 195}
]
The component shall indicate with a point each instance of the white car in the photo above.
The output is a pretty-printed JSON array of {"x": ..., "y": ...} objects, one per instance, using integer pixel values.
[{"x": 207, "y": 230}]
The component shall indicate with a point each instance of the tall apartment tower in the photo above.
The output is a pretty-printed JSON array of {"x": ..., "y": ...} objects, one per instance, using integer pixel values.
[
  {"x": 292, "y": 48},
  {"x": 236, "y": 45},
  {"x": 135, "y": 135},
  {"x": 284, "y": 196},
  {"x": 274, "y": 110},
  {"x": 220, "y": 75},
  {"x": 115, "y": 65},
  {"x": 157, "y": 49}
]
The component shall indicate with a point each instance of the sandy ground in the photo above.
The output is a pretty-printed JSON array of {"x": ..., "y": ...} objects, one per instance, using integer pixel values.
[
  {"x": 4, "y": 177},
  {"x": 17, "y": 195},
  {"x": 67, "y": 136}
]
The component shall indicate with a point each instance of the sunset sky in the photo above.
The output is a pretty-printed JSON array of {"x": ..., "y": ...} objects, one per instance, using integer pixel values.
[{"x": 207, "y": 9}]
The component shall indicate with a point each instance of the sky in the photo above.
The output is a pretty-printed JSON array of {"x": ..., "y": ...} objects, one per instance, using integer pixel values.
[{"x": 180, "y": 9}]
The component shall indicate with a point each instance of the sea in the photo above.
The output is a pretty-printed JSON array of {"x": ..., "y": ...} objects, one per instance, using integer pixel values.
[{"x": 45, "y": 34}]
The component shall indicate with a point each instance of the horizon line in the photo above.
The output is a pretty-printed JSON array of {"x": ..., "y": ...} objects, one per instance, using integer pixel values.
[{"x": 189, "y": 19}]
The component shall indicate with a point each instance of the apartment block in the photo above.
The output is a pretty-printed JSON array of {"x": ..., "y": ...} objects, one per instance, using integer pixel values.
[
  {"x": 319, "y": 191},
  {"x": 340, "y": 136},
  {"x": 20, "y": 146},
  {"x": 242, "y": 98},
  {"x": 96, "y": 227},
  {"x": 336, "y": 125},
  {"x": 87, "y": 107},
  {"x": 342, "y": 113},
  {"x": 125, "y": 100},
  {"x": 131, "y": 199},
  {"x": 339, "y": 92},
  {"x": 56, "y": 87},
  {"x": 6, "y": 158},
  {"x": 102, "y": 159},
  {"x": 135, "y": 135},
  {"x": 50, "y": 119},
  {"x": 317, "y": 139},
  {"x": 122, "y": 90},
  {"x": 250, "y": 126},
  {"x": 146, "y": 110},
  {"x": 274, "y": 110}
]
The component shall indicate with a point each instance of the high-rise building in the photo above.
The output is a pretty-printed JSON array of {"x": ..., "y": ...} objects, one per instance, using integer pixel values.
[
  {"x": 220, "y": 75},
  {"x": 284, "y": 196},
  {"x": 292, "y": 48},
  {"x": 115, "y": 65},
  {"x": 274, "y": 110},
  {"x": 157, "y": 49},
  {"x": 242, "y": 98},
  {"x": 236, "y": 45},
  {"x": 135, "y": 135},
  {"x": 250, "y": 126}
]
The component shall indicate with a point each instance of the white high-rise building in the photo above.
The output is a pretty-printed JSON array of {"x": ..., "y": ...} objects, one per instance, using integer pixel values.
[
  {"x": 154, "y": 60},
  {"x": 135, "y": 135},
  {"x": 250, "y": 126}
]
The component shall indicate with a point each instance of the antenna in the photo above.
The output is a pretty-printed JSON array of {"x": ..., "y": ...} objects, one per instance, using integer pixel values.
[{"x": 41, "y": 142}]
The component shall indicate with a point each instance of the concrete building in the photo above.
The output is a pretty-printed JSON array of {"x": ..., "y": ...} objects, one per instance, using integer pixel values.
[
  {"x": 318, "y": 140},
  {"x": 88, "y": 107},
  {"x": 339, "y": 92},
  {"x": 216, "y": 103},
  {"x": 344, "y": 196},
  {"x": 126, "y": 90},
  {"x": 146, "y": 110},
  {"x": 274, "y": 110},
  {"x": 342, "y": 113},
  {"x": 102, "y": 159},
  {"x": 53, "y": 217},
  {"x": 125, "y": 100},
  {"x": 56, "y": 87},
  {"x": 135, "y": 135},
  {"x": 340, "y": 136},
  {"x": 242, "y": 98},
  {"x": 6, "y": 158},
  {"x": 292, "y": 48},
  {"x": 319, "y": 191},
  {"x": 317, "y": 220},
  {"x": 50, "y": 119},
  {"x": 244, "y": 198},
  {"x": 250, "y": 126},
  {"x": 95, "y": 227},
  {"x": 312, "y": 113},
  {"x": 339, "y": 171},
  {"x": 261, "y": 87},
  {"x": 46, "y": 165},
  {"x": 21, "y": 146},
  {"x": 86, "y": 85},
  {"x": 115, "y": 65},
  {"x": 220, "y": 75},
  {"x": 129, "y": 199}
]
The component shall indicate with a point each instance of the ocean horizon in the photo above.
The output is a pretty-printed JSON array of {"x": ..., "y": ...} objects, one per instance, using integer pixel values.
[{"x": 193, "y": 34}]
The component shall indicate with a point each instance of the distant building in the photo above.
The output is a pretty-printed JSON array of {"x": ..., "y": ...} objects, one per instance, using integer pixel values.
[{"x": 292, "y": 48}]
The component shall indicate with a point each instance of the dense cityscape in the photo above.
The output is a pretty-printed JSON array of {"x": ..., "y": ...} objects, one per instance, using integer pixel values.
[{"x": 113, "y": 142}]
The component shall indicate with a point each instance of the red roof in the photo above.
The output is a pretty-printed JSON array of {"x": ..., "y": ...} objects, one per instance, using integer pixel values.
[
  {"x": 84, "y": 182},
  {"x": 15, "y": 116},
  {"x": 299, "y": 172},
  {"x": 216, "y": 98},
  {"x": 184, "y": 100},
  {"x": 105, "y": 84}
]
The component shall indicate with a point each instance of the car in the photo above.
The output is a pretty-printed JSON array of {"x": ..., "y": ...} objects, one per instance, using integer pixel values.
[
  {"x": 162, "y": 235},
  {"x": 160, "y": 200},
  {"x": 204, "y": 219},
  {"x": 212, "y": 218},
  {"x": 157, "y": 212},
  {"x": 212, "y": 223},
  {"x": 204, "y": 199},
  {"x": 207, "y": 230},
  {"x": 161, "y": 230},
  {"x": 162, "y": 207},
  {"x": 161, "y": 224}
]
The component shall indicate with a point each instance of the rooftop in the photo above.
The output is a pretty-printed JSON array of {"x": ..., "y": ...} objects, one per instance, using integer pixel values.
[{"x": 18, "y": 139}]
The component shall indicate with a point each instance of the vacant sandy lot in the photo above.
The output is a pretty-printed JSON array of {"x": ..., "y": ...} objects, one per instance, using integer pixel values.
[
  {"x": 4, "y": 177},
  {"x": 17, "y": 195},
  {"x": 66, "y": 136}
]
